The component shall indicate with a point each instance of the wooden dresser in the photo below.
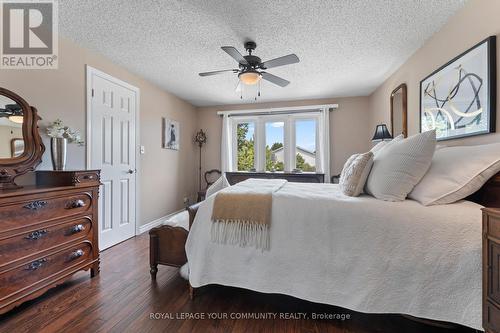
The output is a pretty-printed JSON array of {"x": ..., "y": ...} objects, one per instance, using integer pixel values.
[
  {"x": 491, "y": 270},
  {"x": 305, "y": 177},
  {"x": 47, "y": 233}
]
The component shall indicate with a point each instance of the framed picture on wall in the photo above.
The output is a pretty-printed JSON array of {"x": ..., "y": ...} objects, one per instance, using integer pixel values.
[
  {"x": 170, "y": 134},
  {"x": 459, "y": 98}
]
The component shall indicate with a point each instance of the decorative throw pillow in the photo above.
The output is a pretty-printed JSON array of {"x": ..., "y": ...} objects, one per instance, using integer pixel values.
[
  {"x": 400, "y": 166},
  {"x": 382, "y": 144},
  {"x": 355, "y": 173},
  {"x": 456, "y": 173}
]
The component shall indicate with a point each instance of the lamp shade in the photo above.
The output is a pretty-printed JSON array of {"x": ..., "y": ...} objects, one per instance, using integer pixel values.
[
  {"x": 16, "y": 119},
  {"x": 381, "y": 133},
  {"x": 250, "y": 77}
]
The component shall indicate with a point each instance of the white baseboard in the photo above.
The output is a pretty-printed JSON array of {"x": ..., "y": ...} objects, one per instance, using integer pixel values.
[{"x": 150, "y": 225}]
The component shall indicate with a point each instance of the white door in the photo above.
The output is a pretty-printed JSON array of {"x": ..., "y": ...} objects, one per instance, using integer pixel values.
[{"x": 112, "y": 145}]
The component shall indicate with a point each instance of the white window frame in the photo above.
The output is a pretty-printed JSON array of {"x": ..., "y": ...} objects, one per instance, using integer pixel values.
[
  {"x": 276, "y": 119},
  {"x": 314, "y": 117},
  {"x": 234, "y": 132},
  {"x": 228, "y": 147},
  {"x": 289, "y": 138}
]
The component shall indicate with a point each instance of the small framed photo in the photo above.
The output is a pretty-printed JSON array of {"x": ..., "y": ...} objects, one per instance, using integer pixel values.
[
  {"x": 170, "y": 134},
  {"x": 16, "y": 147}
]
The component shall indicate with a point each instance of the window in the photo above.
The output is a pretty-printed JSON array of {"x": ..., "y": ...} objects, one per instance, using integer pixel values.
[
  {"x": 275, "y": 146},
  {"x": 276, "y": 140},
  {"x": 245, "y": 134},
  {"x": 305, "y": 145}
]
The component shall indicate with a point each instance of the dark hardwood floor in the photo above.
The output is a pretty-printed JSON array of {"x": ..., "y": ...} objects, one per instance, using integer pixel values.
[{"x": 123, "y": 297}]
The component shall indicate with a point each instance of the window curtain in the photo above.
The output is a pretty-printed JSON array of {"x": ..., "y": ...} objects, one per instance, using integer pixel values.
[
  {"x": 324, "y": 144},
  {"x": 226, "y": 149}
]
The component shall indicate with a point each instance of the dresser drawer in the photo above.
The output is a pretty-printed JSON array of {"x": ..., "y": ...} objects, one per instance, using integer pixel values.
[
  {"x": 492, "y": 317},
  {"x": 75, "y": 178},
  {"x": 31, "y": 241},
  {"x": 493, "y": 225},
  {"x": 493, "y": 288},
  {"x": 25, "y": 213},
  {"x": 36, "y": 271},
  {"x": 86, "y": 177}
]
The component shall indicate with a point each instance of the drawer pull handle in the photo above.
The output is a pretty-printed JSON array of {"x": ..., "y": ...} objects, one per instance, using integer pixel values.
[
  {"x": 88, "y": 177},
  {"x": 76, "y": 204},
  {"x": 77, "y": 254},
  {"x": 33, "y": 266},
  {"x": 36, "y": 234},
  {"x": 77, "y": 228},
  {"x": 35, "y": 205}
]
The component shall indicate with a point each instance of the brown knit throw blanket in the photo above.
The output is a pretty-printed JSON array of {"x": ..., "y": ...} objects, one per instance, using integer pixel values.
[{"x": 242, "y": 213}]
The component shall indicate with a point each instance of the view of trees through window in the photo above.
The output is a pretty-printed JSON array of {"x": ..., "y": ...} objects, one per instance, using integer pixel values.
[
  {"x": 305, "y": 149},
  {"x": 246, "y": 146}
]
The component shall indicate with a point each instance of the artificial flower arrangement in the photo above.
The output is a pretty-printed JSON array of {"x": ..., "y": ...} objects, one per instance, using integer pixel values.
[{"x": 58, "y": 131}]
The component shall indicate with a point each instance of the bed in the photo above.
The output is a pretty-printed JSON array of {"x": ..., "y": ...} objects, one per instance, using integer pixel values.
[{"x": 359, "y": 253}]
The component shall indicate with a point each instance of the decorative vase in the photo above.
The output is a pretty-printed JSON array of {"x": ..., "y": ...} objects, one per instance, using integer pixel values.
[{"x": 58, "y": 149}]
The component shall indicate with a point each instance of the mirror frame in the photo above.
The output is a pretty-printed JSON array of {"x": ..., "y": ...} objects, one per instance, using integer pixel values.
[
  {"x": 404, "y": 98},
  {"x": 10, "y": 168}
]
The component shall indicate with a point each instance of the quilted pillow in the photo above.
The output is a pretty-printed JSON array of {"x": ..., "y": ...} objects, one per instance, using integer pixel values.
[
  {"x": 382, "y": 144},
  {"x": 400, "y": 166},
  {"x": 456, "y": 173},
  {"x": 355, "y": 173}
]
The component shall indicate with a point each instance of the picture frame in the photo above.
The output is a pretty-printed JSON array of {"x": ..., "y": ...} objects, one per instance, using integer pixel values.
[
  {"x": 16, "y": 147},
  {"x": 459, "y": 98},
  {"x": 170, "y": 134}
]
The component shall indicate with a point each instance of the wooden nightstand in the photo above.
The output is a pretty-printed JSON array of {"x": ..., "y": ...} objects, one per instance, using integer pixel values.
[{"x": 491, "y": 270}]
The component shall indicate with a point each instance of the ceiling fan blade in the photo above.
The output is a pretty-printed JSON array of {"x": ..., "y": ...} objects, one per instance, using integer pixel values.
[
  {"x": 218, "y": 72},
  {"x": 233, "y": 52},
  {"x": 275, "y": 79},
  {"x": 281, "y": 61}
]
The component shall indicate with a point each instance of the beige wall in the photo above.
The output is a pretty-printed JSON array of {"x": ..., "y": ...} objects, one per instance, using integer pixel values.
[
  {"x": 473, "y": 23},
  {"x": 165, "y": 176},
  {"x": 349, "y": 130}
]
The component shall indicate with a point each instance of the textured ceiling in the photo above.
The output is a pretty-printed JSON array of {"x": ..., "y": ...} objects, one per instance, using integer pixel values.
[{"x": 346, "y": 47}]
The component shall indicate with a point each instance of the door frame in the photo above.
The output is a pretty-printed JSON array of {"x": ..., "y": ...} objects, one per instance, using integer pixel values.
[{"x": 93, "y": 71}]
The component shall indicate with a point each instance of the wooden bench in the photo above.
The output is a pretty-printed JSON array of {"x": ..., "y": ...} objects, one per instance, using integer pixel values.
[{"x": 167, "y": 244}]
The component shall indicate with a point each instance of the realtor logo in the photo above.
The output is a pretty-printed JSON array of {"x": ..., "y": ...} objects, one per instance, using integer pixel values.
[{"x": 28, "y": 34}]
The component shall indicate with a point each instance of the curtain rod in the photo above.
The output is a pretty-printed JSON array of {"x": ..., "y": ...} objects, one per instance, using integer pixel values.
[{"x": 273, "y": 111}]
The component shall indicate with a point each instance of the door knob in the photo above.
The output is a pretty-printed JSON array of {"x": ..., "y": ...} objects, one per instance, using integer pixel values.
[{"x": 130, "y": 171}]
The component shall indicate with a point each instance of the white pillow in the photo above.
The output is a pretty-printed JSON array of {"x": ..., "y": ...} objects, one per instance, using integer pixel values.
[
  {"x": 179, "y": 220},
  {"x": 218, "y": 185},
  {"x": 382, "y": 144},
  {"x": 355, "y": 173},
  {"x": 457, "y": 172},
  {"x": 400, "y": 166}
]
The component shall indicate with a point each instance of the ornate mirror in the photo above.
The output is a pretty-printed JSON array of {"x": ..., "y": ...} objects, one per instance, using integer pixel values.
[
  {"x": 399, "y": 111},
  {"x": 21, "y": 146}
]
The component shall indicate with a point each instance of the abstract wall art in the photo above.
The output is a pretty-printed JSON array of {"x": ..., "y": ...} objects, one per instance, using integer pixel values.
[{"x": 459, "y": 98}]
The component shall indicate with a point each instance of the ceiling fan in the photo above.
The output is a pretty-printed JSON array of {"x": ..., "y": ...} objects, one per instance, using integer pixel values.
[
  {"x": 13, "y": 112},
  {"x": 251, "y": 68}
]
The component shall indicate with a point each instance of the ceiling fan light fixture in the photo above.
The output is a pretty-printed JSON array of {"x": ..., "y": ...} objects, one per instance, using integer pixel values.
[
  {"x": 16, "y": 119},
  {"x": 250, "y": 77}
]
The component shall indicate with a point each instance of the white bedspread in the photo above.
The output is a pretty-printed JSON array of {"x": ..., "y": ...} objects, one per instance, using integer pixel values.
[{"x": 359, "y": 253}]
